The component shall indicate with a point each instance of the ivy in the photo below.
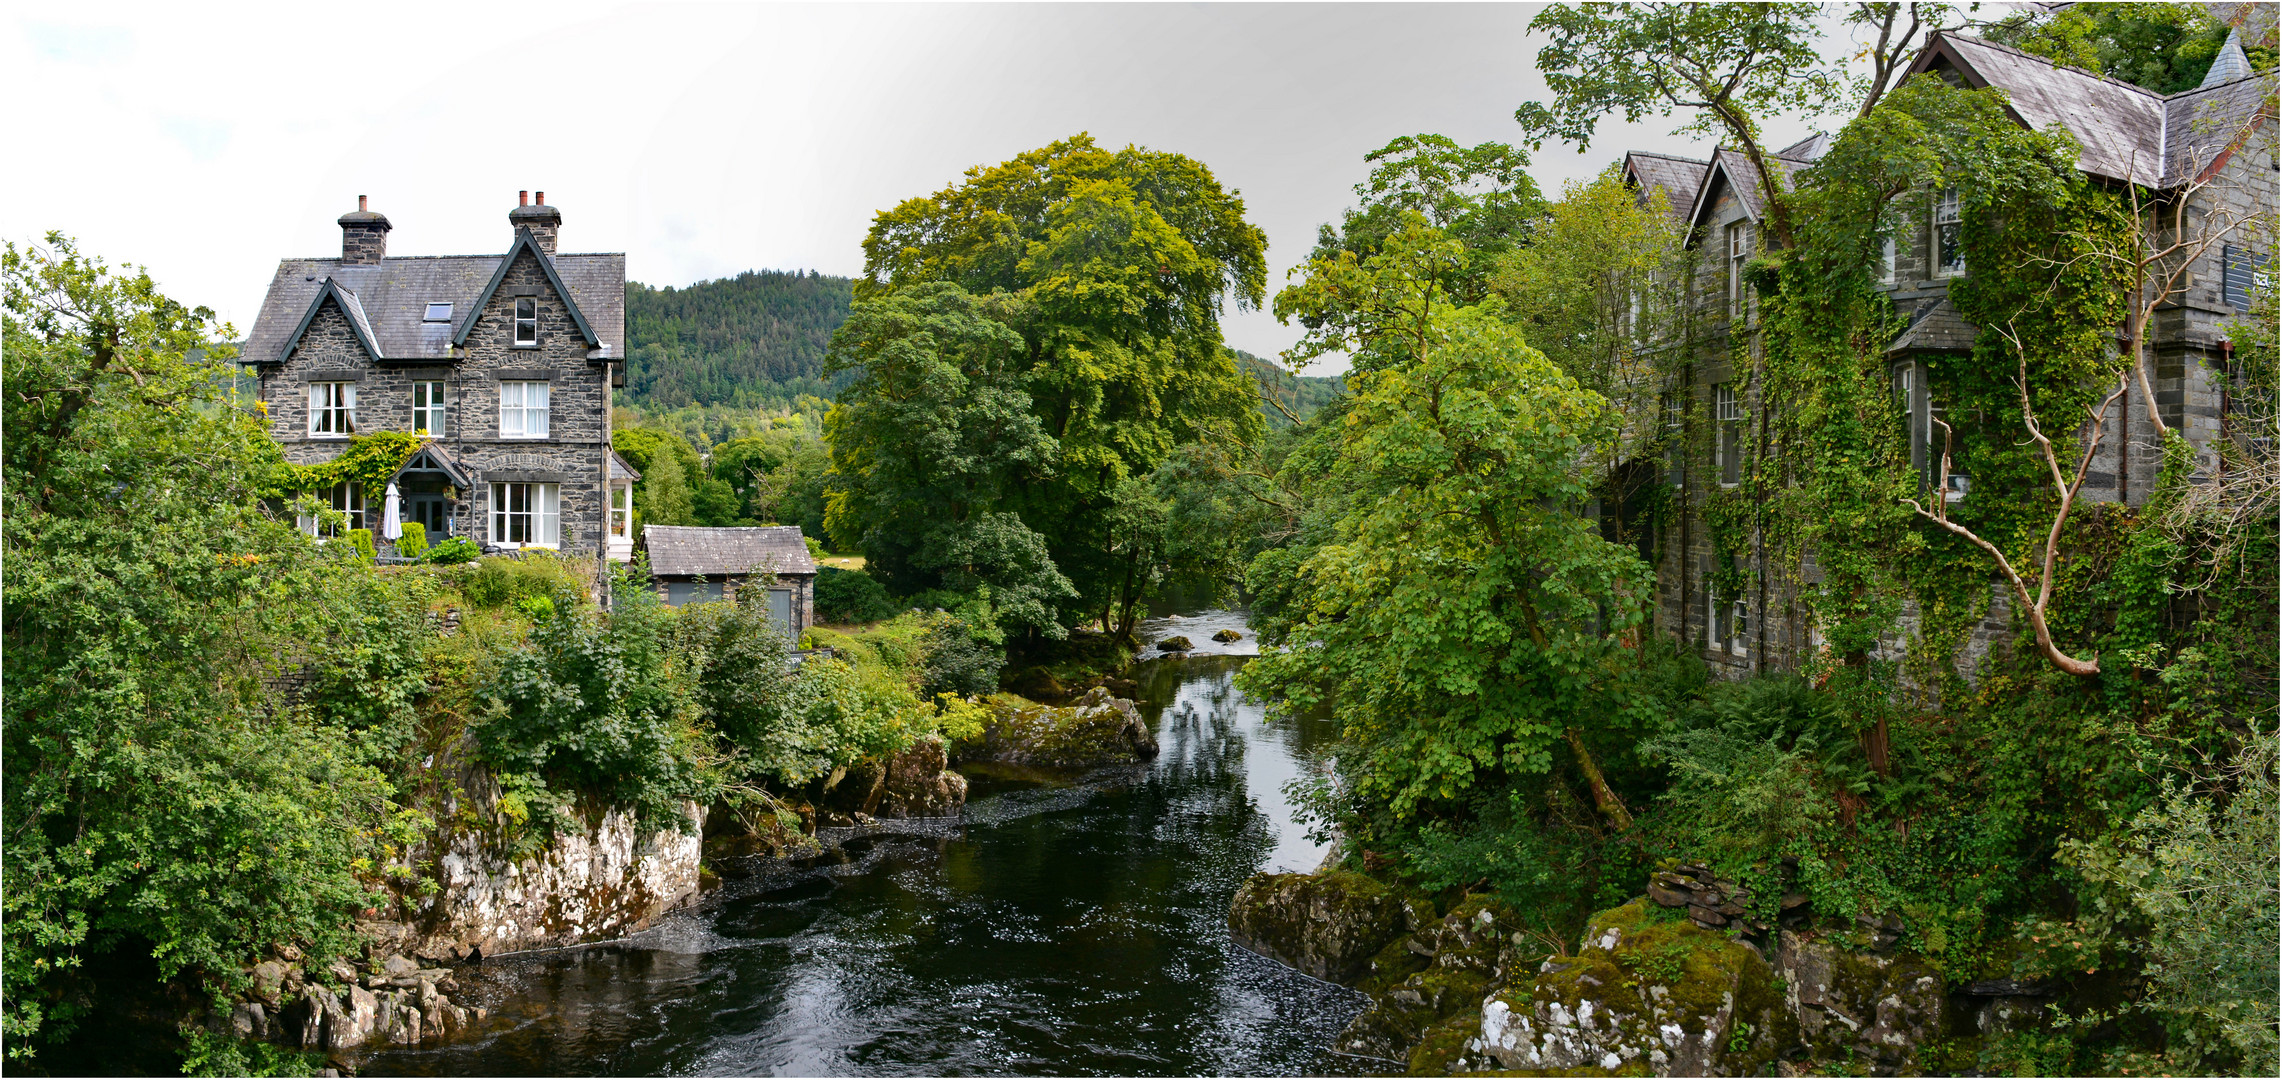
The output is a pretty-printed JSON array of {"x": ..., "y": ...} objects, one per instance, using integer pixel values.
[{"x": 371, "y": 460}]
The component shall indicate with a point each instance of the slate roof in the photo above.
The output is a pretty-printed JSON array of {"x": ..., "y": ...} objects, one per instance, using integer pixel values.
[
  {"x": 393, "y": 297},
  {"x": 2199, "y": 124},
  {"x": 619, "y": 470},
  {"x": 1679, "y": 178},
  {"x": 1935, "y": 325},
  {"x": 2127, "y": 133},
  {"x": 1732, "y": 167},
  {"x": 697, "y": 551}
]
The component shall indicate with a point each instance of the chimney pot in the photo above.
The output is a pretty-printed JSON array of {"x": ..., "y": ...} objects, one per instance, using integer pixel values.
[
  {"x": 523, "y": 198},
  {"x": 544, "y": 221},
  {"x": 360, "y": 202}
]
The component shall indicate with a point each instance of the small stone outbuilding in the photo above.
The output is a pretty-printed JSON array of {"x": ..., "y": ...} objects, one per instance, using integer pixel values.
[{"x": 692, "y": 563}]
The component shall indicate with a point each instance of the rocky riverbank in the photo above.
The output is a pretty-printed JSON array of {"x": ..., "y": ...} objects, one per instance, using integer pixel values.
[{"x": 1674, "y": 983}]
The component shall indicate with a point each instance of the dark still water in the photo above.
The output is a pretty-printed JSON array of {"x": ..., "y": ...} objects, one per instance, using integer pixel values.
[{"x": 1073, "y": 930}]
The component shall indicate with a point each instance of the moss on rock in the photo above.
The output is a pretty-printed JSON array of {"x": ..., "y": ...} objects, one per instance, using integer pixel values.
[
  {"x": 1665, "y": 998},
  {"x": 1099, "y": 730},
  {"x": 1328, "y": 925}
]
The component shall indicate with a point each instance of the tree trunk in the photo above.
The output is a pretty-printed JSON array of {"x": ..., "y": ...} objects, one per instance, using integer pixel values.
[{"x": 1603, "y": 797}]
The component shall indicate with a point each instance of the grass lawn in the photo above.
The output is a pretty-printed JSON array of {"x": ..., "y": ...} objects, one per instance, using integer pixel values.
[{"x": 844, "y": 562}]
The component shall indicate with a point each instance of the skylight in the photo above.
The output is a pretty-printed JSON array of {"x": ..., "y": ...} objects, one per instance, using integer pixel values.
[{"x": 438, "y": 313}]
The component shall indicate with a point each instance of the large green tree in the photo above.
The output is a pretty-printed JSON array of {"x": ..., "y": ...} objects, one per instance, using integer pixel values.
[
  {"x": 160, "y": 799},
  {"x": 1462, "y": 620},
  {"x": 1110, "y": 271},
  {"x": 933, "y": 440}
]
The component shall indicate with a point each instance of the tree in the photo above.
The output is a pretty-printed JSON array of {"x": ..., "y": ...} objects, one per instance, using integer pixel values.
[
  {"x": 2166, "y": 48},
  {"x": 671, "y": 472},
  {"x": 1733, "y": 65},
  {"x": 159, "y": 798},
  {"x": 1462, "y": 619},
  {"x": 934, "y": 440},
  {"x": 1590, "y": 293},
  {"x": 1481, "y": 197},
  {"x": 1109, "y": 269}
]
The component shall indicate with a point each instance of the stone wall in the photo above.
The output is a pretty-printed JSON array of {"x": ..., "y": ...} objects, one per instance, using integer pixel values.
[{"x": 572, "y": 455}]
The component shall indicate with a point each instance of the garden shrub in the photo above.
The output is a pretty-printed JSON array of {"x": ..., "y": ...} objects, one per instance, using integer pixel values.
[
  {"x": 601, "y": 703},
  {"x": 502, "y": 580},
  {"x": 414, "y": 542},
  {"x": 361, "y": 540},
  {"x": 957, "y": 662},
  {"x": 453, "y": 551},
  {"x": 851, "y": 596}
]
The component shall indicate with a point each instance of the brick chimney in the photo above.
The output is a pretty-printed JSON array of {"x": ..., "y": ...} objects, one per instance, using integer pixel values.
[
  {"x": 364, "y": 235},
  {"x": 544, "y": 221}
]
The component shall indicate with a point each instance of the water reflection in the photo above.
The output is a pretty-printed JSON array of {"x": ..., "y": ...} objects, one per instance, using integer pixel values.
[{"x": 1072, "y": 930}]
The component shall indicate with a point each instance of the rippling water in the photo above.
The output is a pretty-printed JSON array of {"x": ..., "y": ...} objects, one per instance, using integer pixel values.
[{"x": 1073, "y": 930}]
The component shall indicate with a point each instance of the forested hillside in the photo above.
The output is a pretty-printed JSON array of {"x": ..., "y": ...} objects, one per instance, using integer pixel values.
[
  {"x": 1300, "y": 395},
  {"x": 746, "y": 340}
]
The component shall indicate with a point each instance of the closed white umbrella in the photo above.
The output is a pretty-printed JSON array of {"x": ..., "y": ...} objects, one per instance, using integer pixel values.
[{"x": 392, "y": 516}]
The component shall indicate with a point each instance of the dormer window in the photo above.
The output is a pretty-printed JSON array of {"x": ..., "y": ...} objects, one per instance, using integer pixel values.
[
  {"x": 526, "y": 322},
  {"x": 441, "y": 312}
]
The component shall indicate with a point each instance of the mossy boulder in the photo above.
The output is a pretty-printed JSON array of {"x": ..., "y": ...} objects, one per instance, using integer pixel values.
[
  {"x": 1648, "y": 994},
  {"x": 1855, "y": 1005},
  {"x": 1442, "y": 969},
  {"x": 1328, "y": 925},
  {"x": 1226, "y": 636},
  {"x": 1099, "y": 730},
  {"x": 1175, "y": 643}
]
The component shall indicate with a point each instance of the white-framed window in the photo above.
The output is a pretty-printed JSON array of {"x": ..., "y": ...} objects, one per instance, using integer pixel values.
[
  {"x": 1727, "y": 623},
  {"x": 1738, "y": 253},
  {"x": 1889, "y": 260},
  {"x": 522, "y": 410},
  {"x": 526, "y": 514},
  {"x": 1948, "y": 245},
  {"x": 622, "y": 510},
  {"x": 1727, "y": 441},
  {"x": 428, "y": 408},
  {"x": 438, "y": 311},
  {"x": 345, "y": 498},
  {"x": 332, "y": 409},
  {"x": 526, "y": 321}
]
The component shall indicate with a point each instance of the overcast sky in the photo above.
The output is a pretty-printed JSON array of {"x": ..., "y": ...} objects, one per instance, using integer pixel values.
[{"x": 706, "y": 140}]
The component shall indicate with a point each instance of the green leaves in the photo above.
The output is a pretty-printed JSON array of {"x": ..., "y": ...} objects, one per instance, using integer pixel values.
[
  {"x": 1463, "y": 614},
  {"x": 1028, "y": 340}
]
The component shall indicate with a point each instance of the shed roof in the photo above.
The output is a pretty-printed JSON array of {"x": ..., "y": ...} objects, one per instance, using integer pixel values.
[
  {"x": 393, "y": 297},
  {"x": 700, "y": 551}
]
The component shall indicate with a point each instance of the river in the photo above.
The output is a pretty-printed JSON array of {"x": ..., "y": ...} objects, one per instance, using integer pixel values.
[{"x": 1077, "y": 929}]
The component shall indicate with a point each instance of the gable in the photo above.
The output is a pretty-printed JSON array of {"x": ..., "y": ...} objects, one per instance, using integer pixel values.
[
  {"x": 525, "y": 246},
  {"x": 333, "y": 314},
  {"x": 2118, "y": 127}
]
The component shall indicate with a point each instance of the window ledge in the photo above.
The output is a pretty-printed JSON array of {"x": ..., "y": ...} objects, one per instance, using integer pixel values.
[{"x": 524, "y": 345}]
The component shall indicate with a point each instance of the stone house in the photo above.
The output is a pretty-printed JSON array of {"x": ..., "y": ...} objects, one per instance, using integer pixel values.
[
  {"x": 505, "y": 362},
  {"x": 692, "y": 563},
  {"x": 2129, "y": 136}
]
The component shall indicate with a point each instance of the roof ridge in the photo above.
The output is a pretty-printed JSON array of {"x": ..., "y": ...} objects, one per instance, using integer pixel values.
[
  {"x": 1667, "y": 157},
  {"x": 2051, "y": 63},
  {"x": 2220, "y": 86},
  {"x": 403, "y": 258}
]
